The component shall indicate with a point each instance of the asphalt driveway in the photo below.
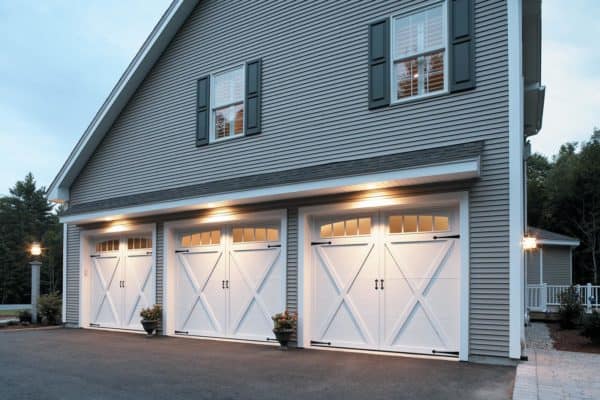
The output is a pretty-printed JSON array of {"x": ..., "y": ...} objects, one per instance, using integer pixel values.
[{"x": 83, "y": 364}]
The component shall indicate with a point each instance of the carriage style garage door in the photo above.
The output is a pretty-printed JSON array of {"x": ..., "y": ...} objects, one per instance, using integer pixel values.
[
  {"x": 121, "y": 281},
  {"x": 387, "y": 281},
  {"x": 229, "y": 280}
]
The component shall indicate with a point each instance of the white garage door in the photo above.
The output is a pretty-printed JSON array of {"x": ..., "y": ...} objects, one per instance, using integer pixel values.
[
  {"x": 122, "y": 281},
  {"x": 230, "y": 280},
  {"x": 387, "y": 281}
]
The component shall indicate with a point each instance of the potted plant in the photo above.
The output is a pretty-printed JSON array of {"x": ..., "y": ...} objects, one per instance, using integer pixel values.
[
  {"x": 284, "y": 327},
  {"x": 150, "y": 318}
]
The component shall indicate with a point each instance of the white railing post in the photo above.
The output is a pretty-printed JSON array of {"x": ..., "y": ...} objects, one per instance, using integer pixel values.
[
  {"x": 588, "y": 299},
  {"x": 544, "y": 297}
]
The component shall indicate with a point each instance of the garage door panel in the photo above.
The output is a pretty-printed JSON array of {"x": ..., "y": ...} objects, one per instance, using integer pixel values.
[
  {"x": 346, "y": 312},
  {"x": 416, "y": 334},
  {"x": 139, "y": 290},
  {"x": 424, "y": 259},
  {"x": 105, "y": 291},
  {"x": 256, "y": 291},
  {"x": 200, "y": 301}
]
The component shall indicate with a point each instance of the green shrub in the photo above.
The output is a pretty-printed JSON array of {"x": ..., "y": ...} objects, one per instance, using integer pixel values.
[
  {"x": 152, "y": 313},
  {"x": 24, "y": 316},
  {"x": 284, "y": 321},
  {"x": 569, "y": 310},
  {"x": 591, "y": 327},
  {"x": 49, "y": 308}
]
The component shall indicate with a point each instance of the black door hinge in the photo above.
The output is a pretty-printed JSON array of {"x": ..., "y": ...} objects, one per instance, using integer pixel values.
[
  {"x": 317, "y": 343},
  {"x": 318, "y": 243},
  {"x": 452, "y": 353},
  {"x": 181, "y": 332},
  {"x": 182, "y": 251},
  {"x": 95, "y": 325},
  {"x": 447, "y": 237},
  {"x": 273, "y": 245}
]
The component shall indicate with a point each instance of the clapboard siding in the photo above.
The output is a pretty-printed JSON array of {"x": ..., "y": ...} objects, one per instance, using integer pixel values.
[
  {"x": 315, "y": 111},
  {"x": 533, "y": 267},
  {"x": 292, "y": 260},
  {"x": 72, "y": 311},
  {"x": 557, "y": 265}
]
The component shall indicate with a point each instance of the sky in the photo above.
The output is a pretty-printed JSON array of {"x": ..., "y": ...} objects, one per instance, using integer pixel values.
[{"x": 60, "y": 59}]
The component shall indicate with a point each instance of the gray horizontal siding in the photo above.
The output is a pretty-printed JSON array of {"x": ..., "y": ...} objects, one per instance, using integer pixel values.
[
  {"x": 557, "y": 265},
  {"x": 314, "y": 112},
  {"x": 72, "y": 311},
  {"x": 533, "y": 267}
]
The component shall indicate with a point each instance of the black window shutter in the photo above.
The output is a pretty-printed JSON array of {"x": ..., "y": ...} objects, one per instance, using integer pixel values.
[
  {"x": 253, "y": 97},
  {"x": 202, "y": 110},
  {"x": 462, "y": 45},
  {"x": 379, "y": 58}
]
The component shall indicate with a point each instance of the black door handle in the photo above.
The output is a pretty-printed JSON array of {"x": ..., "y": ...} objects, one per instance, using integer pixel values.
[
  {"x": 381, "y": 284},
  {"x": 376, "y": 280},
  {"x": 227, "y": 284}
]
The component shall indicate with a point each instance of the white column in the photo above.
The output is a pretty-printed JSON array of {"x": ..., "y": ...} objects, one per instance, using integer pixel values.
[
  {"x": 588, "y": 301},
  {"x": 35, "y": 288}
]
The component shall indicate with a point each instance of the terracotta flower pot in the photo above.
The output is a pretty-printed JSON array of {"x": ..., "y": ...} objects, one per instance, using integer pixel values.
[
  {"x": 283, "y": 337},
  {"x": 150, "y": 326}
]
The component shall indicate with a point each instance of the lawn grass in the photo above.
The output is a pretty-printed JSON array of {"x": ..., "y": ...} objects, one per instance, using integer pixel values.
[{"x": 9, "y": 313}]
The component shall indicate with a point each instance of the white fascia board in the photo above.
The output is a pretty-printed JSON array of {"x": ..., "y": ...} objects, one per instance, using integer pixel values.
[
  {"x": 155, "y": 44},
  {"x": 516, "y": 178},
  {"x": 453, "y": 171},
  {"x": 571, "y": 243}
]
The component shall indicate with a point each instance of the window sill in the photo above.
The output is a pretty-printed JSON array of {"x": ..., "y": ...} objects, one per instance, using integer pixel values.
[
  {"x": 419, "y": 98},
  {"x": 235, "y": 139}
]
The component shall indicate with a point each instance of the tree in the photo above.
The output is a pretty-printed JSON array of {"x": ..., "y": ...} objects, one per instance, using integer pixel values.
[
  {"x": 538, "y": 168},
  {"x": 573, "y": 200},
  {"x": 26, "y": 216}
]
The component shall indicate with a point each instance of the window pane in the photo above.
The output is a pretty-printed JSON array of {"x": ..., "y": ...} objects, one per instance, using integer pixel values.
[
  {"x": 410, "y": 223},
  {"x": 260, "y": 234},
  {"x": 440, "y": 223},
  {"x": 425, "y": 223},
  {"x": 205, "y": 237},
  {"x": 433, "y": 29},
  {"x": 351, "y": 227},
  {"x": 406, "y": 75},
  {"x": 237, "y": 234},
  {"x": 273, "y": 235},
  {"x": 186, "y": 241},
  {"x": 418, "y": 33},
  {"x": 364, "y": 226},
  {"x": 326, "y": 230},
  {"x": 215, "y": 237},
  {"x": 229, "y": 121},
  {"x": 248, "y": 234},
  {"x": 395, "y": 223},
  {"x": 433, "y": 72},
  {"x": 229, "y": 87},
  {"x": 338, "y": 228}
]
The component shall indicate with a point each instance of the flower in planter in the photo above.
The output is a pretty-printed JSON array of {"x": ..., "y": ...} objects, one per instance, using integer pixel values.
[
  {"x": 153, "y": 313},
  {"x": 284, "y": 321}
]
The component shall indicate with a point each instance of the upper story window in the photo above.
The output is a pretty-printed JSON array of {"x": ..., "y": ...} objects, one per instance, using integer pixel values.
[
  {"x": 419, "y": 53},
  {"x": 227, "y": 117}
]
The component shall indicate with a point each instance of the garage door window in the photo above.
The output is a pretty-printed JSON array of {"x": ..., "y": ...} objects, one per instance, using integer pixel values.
[
  {"x": 108, "y": 245},
  {"x": 255, "y": 234},
  {"x": 203, "y": 238},
  {"x": 348, "y": 227},
  {"x": 139, "y": 243},
  {"x": 418, "y": 223}
]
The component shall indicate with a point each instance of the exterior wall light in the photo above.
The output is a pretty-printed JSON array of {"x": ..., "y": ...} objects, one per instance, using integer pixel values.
[
  {"x": 529, "y": 243},
  {"x": 35, "y": 249}
]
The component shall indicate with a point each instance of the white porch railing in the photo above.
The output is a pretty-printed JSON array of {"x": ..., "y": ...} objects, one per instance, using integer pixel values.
[{"x": 540, "y": 297}]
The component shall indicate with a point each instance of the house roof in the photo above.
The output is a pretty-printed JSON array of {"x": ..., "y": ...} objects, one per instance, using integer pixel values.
[
  {"x": 144, "y": 60},
  {"x": 552, "y": 238}
]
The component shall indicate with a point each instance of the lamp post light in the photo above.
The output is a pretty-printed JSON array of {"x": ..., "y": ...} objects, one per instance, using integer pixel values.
[{"x": 36, "y": 251}]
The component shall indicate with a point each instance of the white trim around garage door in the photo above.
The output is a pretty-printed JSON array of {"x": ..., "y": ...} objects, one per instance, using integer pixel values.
[
  {"x": 456, "y": 199},
  {"x": 85, "y": 271},
  {"x": 171, "y": 231}
]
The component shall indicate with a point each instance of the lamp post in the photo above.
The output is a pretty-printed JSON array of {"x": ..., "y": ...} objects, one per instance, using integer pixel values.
[{"x": 35, "y": 251}]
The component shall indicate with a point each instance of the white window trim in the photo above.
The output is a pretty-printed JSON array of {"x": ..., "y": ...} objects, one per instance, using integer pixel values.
[
  {"x": 446, "y": 90},
  {"x": 211, "y": 118}
]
